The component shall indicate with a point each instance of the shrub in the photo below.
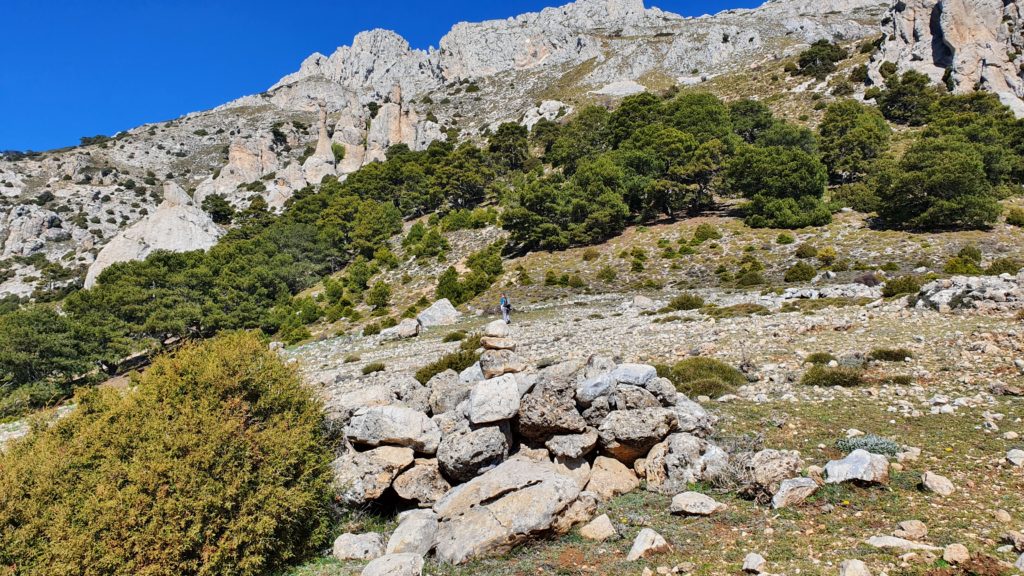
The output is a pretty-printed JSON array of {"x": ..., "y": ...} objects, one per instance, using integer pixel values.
[
  {"x": 784, "y": 239},
  {"x": 352, "y": 358},
  {"x": 700, "y": 376},
  {"x": 456, "y": 336},
  {"x": 972, "y": 253},
  {"x": 869, "y": 279},
  {"x": 590, "y": 254},
  {"x": 735, "y": 311},
  {"x": 457, "y": 361},
  {"x": 819, "y": 358},
  {"x": 606, "y": 274},
  {"x": 869, "y": 442},
  {"x": 751, "y": 278},
  {"x": 801, "y": 272},
  {"x": 1004, "y": 266},
  {"x": 1015, "y": 217},
  {"x": 685, "y": 301},
  {"x": 806, "y": 251},
  {"x": 820, "y": 59},
  {"x": 890, "y": 354},
  {"x": 373, "y": 367},
  {"x": 371, "y": 329},
  {"x": 961, "y": 265},
  {"x": 705, "y": 232},
  {"x": 214, "y": 463},
  {"x": 819, "y": 375},
  {"x": 901, "y": 285},
  {"x": 858, "y": 196},
  {"x": 827, "y": 255}
]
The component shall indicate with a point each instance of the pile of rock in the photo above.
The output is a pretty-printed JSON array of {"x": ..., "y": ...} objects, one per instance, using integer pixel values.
[
  {"x": 1004, "y": 292},
  {"x": 503, "y": 453}
]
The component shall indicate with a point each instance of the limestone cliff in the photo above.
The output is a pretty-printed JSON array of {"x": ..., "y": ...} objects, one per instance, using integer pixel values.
[
  {"x": 969, "y": 44},
  {"x": 177, "y": 225}
]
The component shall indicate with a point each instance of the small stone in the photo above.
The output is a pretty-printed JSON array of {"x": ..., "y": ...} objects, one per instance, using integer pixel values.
[
  {"x": 599, "y": 529},
  {"x": 1016, "y": 539},
  {"x": 794, "y": 491},
  {"x": 695, "y": 504},
  {"x": 754, "y": 563},
  {"x": 1011, "y": 435},
  {"x": 1015, "y": 457},
  {"x": 860, "y": 465},
  {"x": 911, "y": 530},
  {"x": 358, "y": 546},
  {"x": 415, "y": 533},
  {"x": 937, "y": 484},
  {"x": 1002, "y": 516},
  {"x": 853, "y": 568},
  {"x": 956, "y": 554},
  {"x": 647, "y": 543},
  {"x": 899, "y": 544}
]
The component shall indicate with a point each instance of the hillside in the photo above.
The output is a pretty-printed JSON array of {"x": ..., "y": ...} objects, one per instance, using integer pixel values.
[{"x": 766, "y": 275}]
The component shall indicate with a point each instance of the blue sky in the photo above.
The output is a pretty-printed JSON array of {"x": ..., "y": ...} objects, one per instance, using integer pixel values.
[{"x": 71, "y": 68}]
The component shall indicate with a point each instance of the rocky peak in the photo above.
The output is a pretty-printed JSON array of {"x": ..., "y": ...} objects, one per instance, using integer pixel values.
[{"x": 969, "y": 44}]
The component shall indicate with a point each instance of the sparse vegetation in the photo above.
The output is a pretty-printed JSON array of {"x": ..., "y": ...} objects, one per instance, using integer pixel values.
[
  {"x": 890, "y": 354},
  {"x": 457, "y": 361},
  {"x": 701, "y": 376},
  {"x": 828, "y": 376},
  {"x": 373, "y": 367}
]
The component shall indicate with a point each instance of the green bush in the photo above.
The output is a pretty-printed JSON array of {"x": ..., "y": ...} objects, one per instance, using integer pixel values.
[
  {"x": 902, "y": 285},
  {"x": 751, "y": 278},
  {"x": 456, "y": 336},
  {"x": 735, "y": 311},
  {"x": 705, "y": 232},
  {"x": 801, "y": 272},
  {"x": 806, "y": 251},
  {"x": 890, "y": 354},
  {"x": 1015, "y": 217},
  {"x": 590, "y": 254},
  {"x": 818, "y": 375},
  {"x": 607, "y": 274},
  {"x": 371, "y": 329},
  {"x": 783, "y": 239},
  {"x": 457, "y": 361},
  {"x": 819, "y": 358},
  {"x": 215, "y": 462},
  {"x": 700, "y": 376},
  {"x": 1004, "y": 266},
  {"x": 685, "y": 301},
  {"x": 857, "y": 195},
  {"x": 820, "y": 59},
  {"x": 961, "y": 265},
  {"x": 373, "y": 367}
]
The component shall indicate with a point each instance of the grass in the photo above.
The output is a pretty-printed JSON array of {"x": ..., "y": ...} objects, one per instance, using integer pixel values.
[
  {"x": 890, "y": 354},
  {"x": 701, "y": 376},
  {"x": 819, "y": 358},
  {"x": 828, "y": 376},
  {"x": 373, "y": 367},
  {"x": 457, "y": 361},
  {"x": 456, "y": 336},
  {"x": 685, "y": 301},
  {"x": 735, "y": 311}
]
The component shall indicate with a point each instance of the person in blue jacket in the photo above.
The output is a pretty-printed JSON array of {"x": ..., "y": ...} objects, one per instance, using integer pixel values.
[{"x": 506, "y": 308}]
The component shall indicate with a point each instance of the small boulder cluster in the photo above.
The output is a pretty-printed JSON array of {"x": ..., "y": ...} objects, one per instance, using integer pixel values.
[
  {"x": 993, "y": 293},
  {"x": 504, "y": 453}
]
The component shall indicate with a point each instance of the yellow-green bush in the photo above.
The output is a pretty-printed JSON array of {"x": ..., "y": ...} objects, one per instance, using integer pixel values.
[
  {"x": 212, "y": 462},
  {"x": 702, "y": 376}
]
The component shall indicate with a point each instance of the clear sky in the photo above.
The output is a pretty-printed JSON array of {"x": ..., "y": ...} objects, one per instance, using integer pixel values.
[{"x": 72, "y": 68}]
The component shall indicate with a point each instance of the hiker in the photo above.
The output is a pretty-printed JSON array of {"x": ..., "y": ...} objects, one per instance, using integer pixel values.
[{"x": 506, "y": 308}]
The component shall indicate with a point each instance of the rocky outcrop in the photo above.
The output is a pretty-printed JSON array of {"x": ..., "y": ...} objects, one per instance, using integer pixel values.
[
  {"x": 177, "y": 225},
  {"x": 1003, "y": 292},
  {"x": 970, "y": 44}
]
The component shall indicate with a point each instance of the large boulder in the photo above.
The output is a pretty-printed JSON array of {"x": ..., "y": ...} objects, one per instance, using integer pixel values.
[
  {"x": 464, "y": 453},
  {"x": 609, "y": 478},
  {"x": 440, "y": 313},
  {"x": 358, "y": 546},
  {"x": 495, "y": 363},
  {"x": 858, "y": 466},
  {"x": 393, "y": 426},
  {"x": 683, "y": 459},
  {"x": 423, "y": 483},
  {"x": 494, "y": 400},
  {"x": 447, "y": 391},
  {"x": 630, "y": 434},
  {"x": 512, "y": 503},
  {"x": 549, "y": 410},
  {"x": 573, "y": 445},
  {"x": 407, "y": 328},
  {"x": 407, "y": 564},
  {"x": 361, "y": 477},
  {"x": 415, "y": 533}
]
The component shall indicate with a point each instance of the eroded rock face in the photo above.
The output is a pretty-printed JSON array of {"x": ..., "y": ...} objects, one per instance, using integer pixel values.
[
  {"x": 361, "y": 477},
  {"x": 969, "y": 43},
  {"x": 463, "y": 454},
  {"x": 177, "y": 225},
  {"x": 680, "y": 460},
  {"x": 494, "y": 512},
  {"x": 630, "y": 434}
]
